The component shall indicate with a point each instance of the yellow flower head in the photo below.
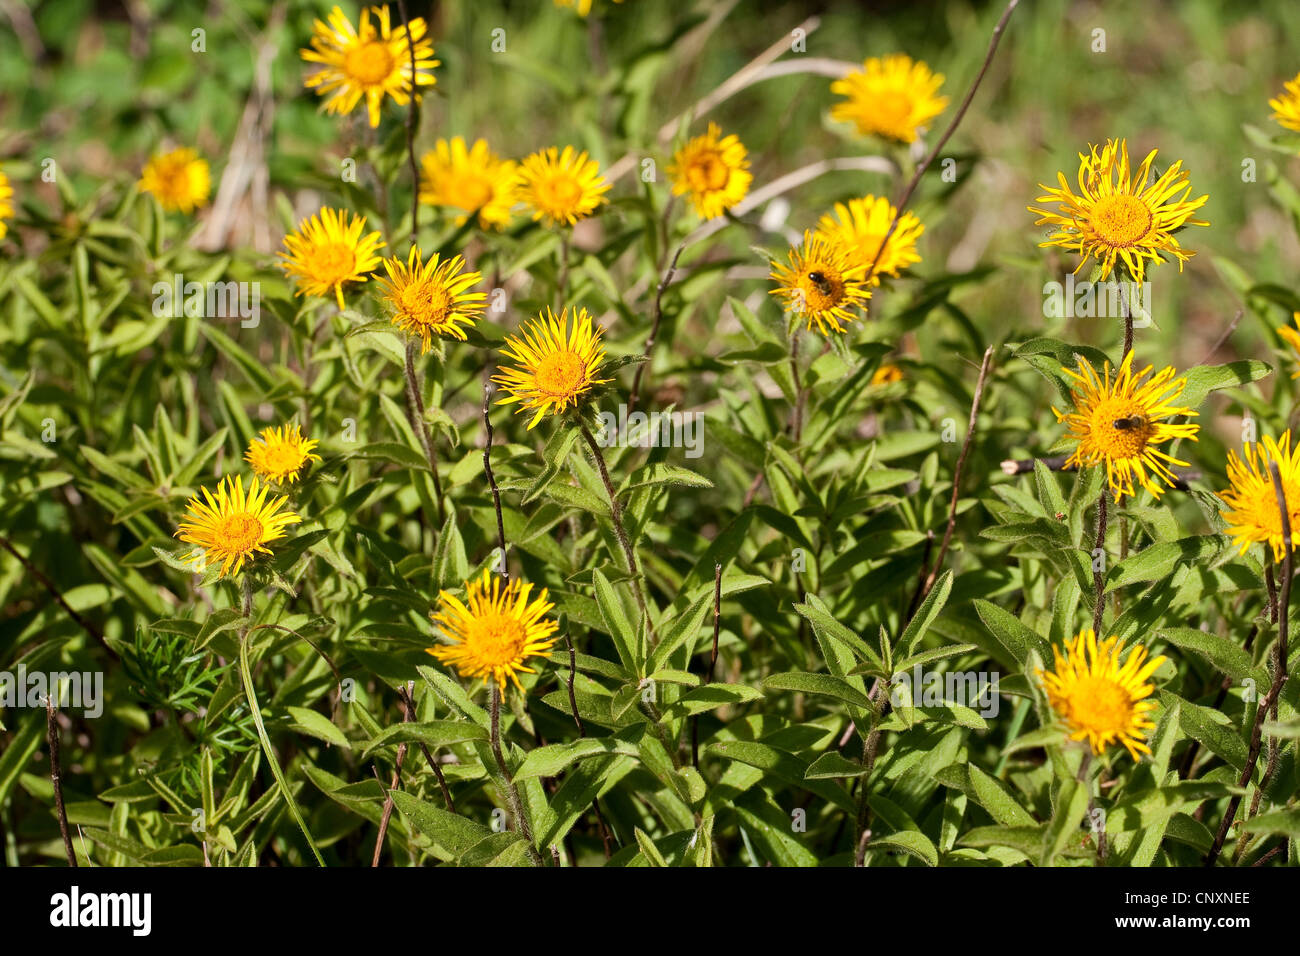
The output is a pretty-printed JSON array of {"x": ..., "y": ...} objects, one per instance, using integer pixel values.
[
  {"x": 890, "y": 97},
  {"x": 475, "y": 180},
  {"x": 887, "y": 374},
  {"x": 713, "y": 171},
  {"x": 860, "y": 227},
  {"x": 1286, "y": 105},
  {"x": 328, "y": 250},
  {"x": 1101, "y": 697},
  {"x": 429, "y": 299},
  {"x": 1252, "y": 513},
  {"x": 233, "y": 527},
  {"x": 280, "y": 453},
  {"x": 823, "y": 283},
  {"x": 1118, "y": 214},
  {"x": 1291, "y": 336},
  {"x": 562, "y": 187},
  {"x": 1121, "y": 421},
  {"x": 179, "y": 180},
  {"x": 495, "y": 630},
  {"x": 6, "y": 203},
  {"x": 373, "y": 61},
  {"x": 558, "y": 364}
]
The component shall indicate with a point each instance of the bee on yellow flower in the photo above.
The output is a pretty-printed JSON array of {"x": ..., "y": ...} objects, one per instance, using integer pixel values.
[
  {"x": 1121, "y": 421},
  {"x": 823, "y": 283}
]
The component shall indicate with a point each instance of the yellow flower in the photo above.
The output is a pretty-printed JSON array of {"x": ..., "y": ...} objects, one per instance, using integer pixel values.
[
  {"x": 281, "y": 453},
  {"x": 1119, "y": 214},
  {"x": 1101, "y": 697},
  {"x": 372, "y": 61},
  {"x": 475, "y": 180},
  {"x": 329, "y": 250},
  {"x": 822, "y": 283},
  {"x": 713, "y": 171},
  {"x": 233, "y": 527},
  {"x": 429, "y": 299},
  {"x": 1291, "y": 336},
  {"x": 890, "y": 97},
  {"x": 583, "y": 6},
  {"x": 6, "y": 203},
  {"x": 559, "y": 364},
  {"x": 1286, "y": 105},
  {"x": 1120, "y": 422},
  {"x": 495, "y": 630},
  {"x": 887, "y": 374},
  {"x": 862, "y": 224},
  {"x": 179, "y": 180},
  {"x": 1252, "y": 513},
  {"x": 562, "y": 187}
]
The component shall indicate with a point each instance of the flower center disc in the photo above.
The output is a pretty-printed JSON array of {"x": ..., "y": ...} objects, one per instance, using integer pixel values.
[
  {"x": 1101, "y": 705},
  {"x": 369, "y": 63},
  {"x": 283, "y": 458},
  {"x": 561, "y": 374},
  {"x": 335, "y": 259},
  {"x": 892, "y": 108},
  {"x": 427, "y": 304},
  {"x": 559, "y": 192},
  {"x": 823, "y": 295},
  {"x": 475, "y": 192},
  {"x": 498, "y": 639},
  {"x": 708, "y": 174},
  {"x": 238, "y": 533},
  {"x": 1121, "y": 220},
  {"x": 1128, "y": 439}
]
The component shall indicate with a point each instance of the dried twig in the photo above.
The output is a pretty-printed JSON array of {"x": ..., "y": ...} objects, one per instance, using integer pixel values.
[
  {"x": 56, "y": 774},
  {"x": 942, "y": 141},
  {"x": 487, "y": 469},
  {"x": 408, "y": 714}
]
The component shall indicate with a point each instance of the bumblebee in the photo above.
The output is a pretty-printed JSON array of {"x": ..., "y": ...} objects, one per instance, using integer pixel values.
[
  {"x": 822, "y": 283},
  {"x": 1131, "y": 423}
]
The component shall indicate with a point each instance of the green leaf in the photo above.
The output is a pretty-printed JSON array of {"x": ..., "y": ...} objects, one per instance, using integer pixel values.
[
  {"x": 821, "y": 684},
  {"x": 434, "y": 734},
  {"x": 1209, "y": 378}
]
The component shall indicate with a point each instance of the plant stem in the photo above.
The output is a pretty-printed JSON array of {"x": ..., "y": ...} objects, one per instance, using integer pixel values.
[
  {"x": 1099, "y": 577},
  {"x": 512, "y": 792},
  {"x": 56, "y": 774},
  {"x": 616, "y": 513},
  {"x": 415, "y": 411},
  {"x": 407, "y": 715},
  {"x": 654, "y": 326},
  {"x": 487, "y": 468}
]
